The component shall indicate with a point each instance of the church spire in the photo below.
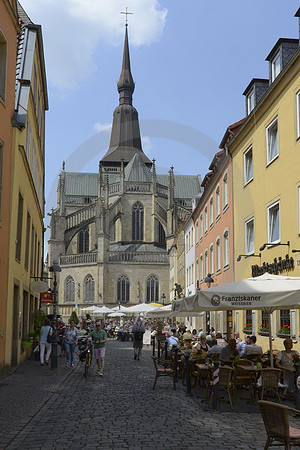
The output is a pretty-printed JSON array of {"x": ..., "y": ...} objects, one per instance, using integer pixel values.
[{"x": 126, "y": 83}]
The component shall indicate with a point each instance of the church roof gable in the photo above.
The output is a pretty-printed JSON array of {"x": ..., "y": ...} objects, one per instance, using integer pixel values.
[{"x": 136, "y": 170}]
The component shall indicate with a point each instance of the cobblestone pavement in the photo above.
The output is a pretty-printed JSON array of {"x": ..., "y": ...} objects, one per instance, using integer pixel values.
[{"x": 41, "y": 408}]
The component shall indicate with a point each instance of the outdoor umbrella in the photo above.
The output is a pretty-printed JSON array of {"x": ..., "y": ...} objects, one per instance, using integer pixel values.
[
  {"x": 163, "y": 311},
  {"x": 116, "y": 314},
  {"x": 89, "y": 308},
  {"x": 141, "y": 308},
  {"x": 102, "y": 310},
  {"x": 267, "y": 292},
  {"x": 119, "y": 309}
]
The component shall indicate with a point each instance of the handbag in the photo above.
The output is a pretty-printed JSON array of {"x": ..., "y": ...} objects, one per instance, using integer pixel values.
[{"x": 51, "y": 339}]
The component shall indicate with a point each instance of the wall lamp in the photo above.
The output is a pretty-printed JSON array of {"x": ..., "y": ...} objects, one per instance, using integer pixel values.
[
  {"x": 295, "y": 251},
  {"x": 247, "y": 256},
  {"x": 267, "y": 243},
  {"x": 209, "y": 280}
]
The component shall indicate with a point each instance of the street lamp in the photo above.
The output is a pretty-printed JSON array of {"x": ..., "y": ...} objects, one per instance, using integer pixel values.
[
  {"x": 208, "y": 280},
  {"x": 163, "y": 298},
  {"x": 54, "y": 268},
  {"x": 273, "y": 244},
  {"x": 247, "y": 256}
]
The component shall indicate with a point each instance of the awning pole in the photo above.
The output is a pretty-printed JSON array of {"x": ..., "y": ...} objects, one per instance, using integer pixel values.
[{"x": 270, "y": 337}]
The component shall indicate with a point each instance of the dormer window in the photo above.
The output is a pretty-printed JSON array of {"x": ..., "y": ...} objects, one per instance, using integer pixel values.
[
  {"x": 275, "y": 66},
  {"x": 250, "y": 101}
]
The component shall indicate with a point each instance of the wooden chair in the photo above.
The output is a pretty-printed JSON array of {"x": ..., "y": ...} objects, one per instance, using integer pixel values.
[
  {"x": 166, "y": 371},
  {"x": 242, "y": 377},
  {"x": 226, "y": 377},
  {"x": 253, "y": 356},
  {"x": 243, "y": 362},
  {"x": 276, "y": 420},
  {"x": 270, "y": 378}
]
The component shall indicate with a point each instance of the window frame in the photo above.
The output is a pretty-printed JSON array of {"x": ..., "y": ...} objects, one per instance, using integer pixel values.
[
  {"x": 298, "y": 113},
  {"x": 218, "y": 202},
  {"x": 268, "y": 222},
  {"x": 247, "y": 222},
  {"x": 246, "y": 153},
  {"x": 271, "y": 124},
  {"x": 212, "y": 258},
  {"x": 250, "y": 97},
  {"x": 225, "y": 190},
  {"x": 218, "y": 254},
  {"x": 226, "y": 248},
  {"x": 3, "y": 74},
  {"x": 206, "y": 219},
  {"x": 211, "y": 211},
  {"x": 273, "y": 60}
]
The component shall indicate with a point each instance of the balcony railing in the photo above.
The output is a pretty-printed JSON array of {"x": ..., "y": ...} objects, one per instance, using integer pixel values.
[
  {"x": 82, "y": 258},
  {"x": 138, "y": 257},
  {"x": 79, "y": 216}
]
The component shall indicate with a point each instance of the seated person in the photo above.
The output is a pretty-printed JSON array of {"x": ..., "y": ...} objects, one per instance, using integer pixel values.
[
  {"x": 241, "y": 346},
  {"x": 220, "y": 339},
  {"x": 252, "y": 348},
  {"x": 187, "y": 336},
  {"x": 215, "y": 348},
  {"x": 202, "y": 344},
  {"x": 285, "y": 361},
  {"x": 194, "y": 333},
  {"x": 172, "y": 341},
  {"x": 227, "y": 352}
]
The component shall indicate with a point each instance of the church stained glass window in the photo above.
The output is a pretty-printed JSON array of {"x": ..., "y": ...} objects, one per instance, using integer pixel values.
[
  {"x": 137, "y": 222},
  {"x": 123, "y": 289},
  {"x": 89, "y": 289},
  {"x": 83, "y": 242},
  {"x": 152, "y": 289},
  {"x": 69, "y": 289}
]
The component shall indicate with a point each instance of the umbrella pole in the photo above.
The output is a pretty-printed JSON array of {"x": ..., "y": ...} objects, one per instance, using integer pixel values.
[{"x": 270, "y": 338}]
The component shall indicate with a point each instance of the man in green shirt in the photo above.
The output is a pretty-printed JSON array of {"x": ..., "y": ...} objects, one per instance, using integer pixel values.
[{"x": 99, "y": 337}]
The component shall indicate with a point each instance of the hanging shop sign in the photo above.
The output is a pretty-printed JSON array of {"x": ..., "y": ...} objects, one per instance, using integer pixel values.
[
  {"x": 276, "y": 267},
  {"x": 46, "y": 297}
]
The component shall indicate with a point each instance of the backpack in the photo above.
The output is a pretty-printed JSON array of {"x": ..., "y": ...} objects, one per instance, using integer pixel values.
[{"x": 138, "y": 335}]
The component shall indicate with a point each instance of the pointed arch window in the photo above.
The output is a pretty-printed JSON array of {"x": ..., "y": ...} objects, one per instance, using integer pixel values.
[
  {"x": 83, "y": 241},
  {"x": 112, "y": 231},
  {"x": 89, "y": 289},
  {"x": 69, "y": 290},
  {"x": 161, "y": 235},
  {"x": 138, "y": 222},
  {"x": 123, "y": 289},
  {"x": 152, "y": 289}
]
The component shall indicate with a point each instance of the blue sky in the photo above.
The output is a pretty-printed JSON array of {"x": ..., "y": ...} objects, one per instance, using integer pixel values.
[{"x": 191, "y": 61}]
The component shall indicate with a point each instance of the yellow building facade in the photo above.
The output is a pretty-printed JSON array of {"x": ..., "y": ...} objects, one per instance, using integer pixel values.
[
  {"x": 27, "y": 189},
  {"x": 266, "y": 162}
]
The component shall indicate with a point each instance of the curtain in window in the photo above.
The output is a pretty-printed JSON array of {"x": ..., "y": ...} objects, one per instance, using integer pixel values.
[
  {"x": 89, "y": 290},
  {"x": 69, "y": 290},
  {"x": 152, "y": 289},
  {"x": 123, "y": 289}
]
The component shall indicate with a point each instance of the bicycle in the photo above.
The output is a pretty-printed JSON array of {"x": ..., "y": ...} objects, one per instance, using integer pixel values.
[{"x": 86, "y": 355}]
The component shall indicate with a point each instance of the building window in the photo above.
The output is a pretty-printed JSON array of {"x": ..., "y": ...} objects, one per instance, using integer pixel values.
[
  {"x": 275, "y": 66},
  {"x": 3, "y": 63},
  {"x": 69, "y": 290},
  {"x": 1, "y": 177},
  {"x": 83, "y": 241},
  {"x": 298, "y": 113},
  {"x": 274, "y": 223},
  {"x": 28, "y": 141},
  {"x": 248, "y": 165},
  {"x": 250, "y": 101},
  {"x": 19, "y": 227},
  {"x": 112, "y": 231},
  {"x": 192, "y": 237},
  {"x": 218, "y": 255},
  {"x": 137, "y": 222},
  {"x": 225, "y": 190},
  {"x": 248, "y": 323},
  {"x": 285, "y": 319},
  {"x": 161, "y": 235},
  {"x": 123, "y": 289},
  {"x": 205, "y": 263},
  {"x": 226, "y": 248},
  {"x": 211, "y": 211},
  {"x": 201, "y": 267},
  {"x": 205, "y": 220},
  {"x": 218, "y": 202},
  {"x": 197, "y": 232},
  {"x": 152, "y": 289},
  {"x": 201, "y": 226},
  {"x": 89, "y": 290},
  {"x": 28, "y": 225},
  {"x": 249, "y": 236},
  {"x": 264, "y": 319},
  {"x": 272, "y": 141},
  {"x": 211, "y": 257}
]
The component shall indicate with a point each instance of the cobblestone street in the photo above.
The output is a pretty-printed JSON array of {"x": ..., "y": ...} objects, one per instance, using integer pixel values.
[{"x": 41, "y": 408}]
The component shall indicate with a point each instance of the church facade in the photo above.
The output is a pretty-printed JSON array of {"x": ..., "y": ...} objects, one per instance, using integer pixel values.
[{"x": 111, "y": 230}]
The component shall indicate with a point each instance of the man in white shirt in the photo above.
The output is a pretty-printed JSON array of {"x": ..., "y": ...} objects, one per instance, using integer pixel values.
[
  {"x": 242, "y": 345},
  {"x": 252, "y": 348}
]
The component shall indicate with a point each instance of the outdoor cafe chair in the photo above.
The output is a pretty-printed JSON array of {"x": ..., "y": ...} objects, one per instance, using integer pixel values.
[
  {"x": 226, "y": 377},
  {"x": 166, "y": 371},
  {"x": 243, "y": 377},
  {"x": 270, "y": 378},
  {"x": 276, "y": 421}
]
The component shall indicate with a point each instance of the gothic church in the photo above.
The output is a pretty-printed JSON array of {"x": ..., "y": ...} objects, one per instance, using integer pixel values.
[{"x": 111, "y": 230}]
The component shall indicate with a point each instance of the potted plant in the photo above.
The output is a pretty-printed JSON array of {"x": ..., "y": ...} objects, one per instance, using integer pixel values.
[
  {"x": 264, "y": 329},
  {"x": 284, "y": 331},
  {"x": 247, "y": 328}
]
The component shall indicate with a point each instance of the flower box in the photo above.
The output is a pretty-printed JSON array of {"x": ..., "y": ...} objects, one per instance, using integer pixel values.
[
  {"x": 283, "y": 335},
  {"x": 247, "y": 331},
  {"x": 263, "y": 333}
]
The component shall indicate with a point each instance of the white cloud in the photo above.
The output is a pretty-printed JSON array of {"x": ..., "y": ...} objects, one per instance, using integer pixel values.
[
  {"x": 73, "y": 28},
  {"x": 98, "y": 127},
  {"x": 146, "y": 144}
]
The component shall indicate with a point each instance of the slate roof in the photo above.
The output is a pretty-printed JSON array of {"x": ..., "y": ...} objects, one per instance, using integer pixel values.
[
  {"x": 186, "y": 186},
  {"x": 136, "y": 170}
]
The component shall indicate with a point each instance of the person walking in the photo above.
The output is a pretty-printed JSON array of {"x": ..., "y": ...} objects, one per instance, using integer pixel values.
[
  {"x": 138, "y": 331},
  {"x": 99, "y": 337},
  {"x": 46, "y": 330},
  {"x": 70, "y": 340}
]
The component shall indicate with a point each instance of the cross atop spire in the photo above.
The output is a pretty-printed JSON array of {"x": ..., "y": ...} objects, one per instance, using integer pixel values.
[{"x": 126, "y": 13}]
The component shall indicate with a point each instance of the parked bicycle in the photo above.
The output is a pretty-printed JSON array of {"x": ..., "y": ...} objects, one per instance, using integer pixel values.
[{"x": 86, "y": 353}]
